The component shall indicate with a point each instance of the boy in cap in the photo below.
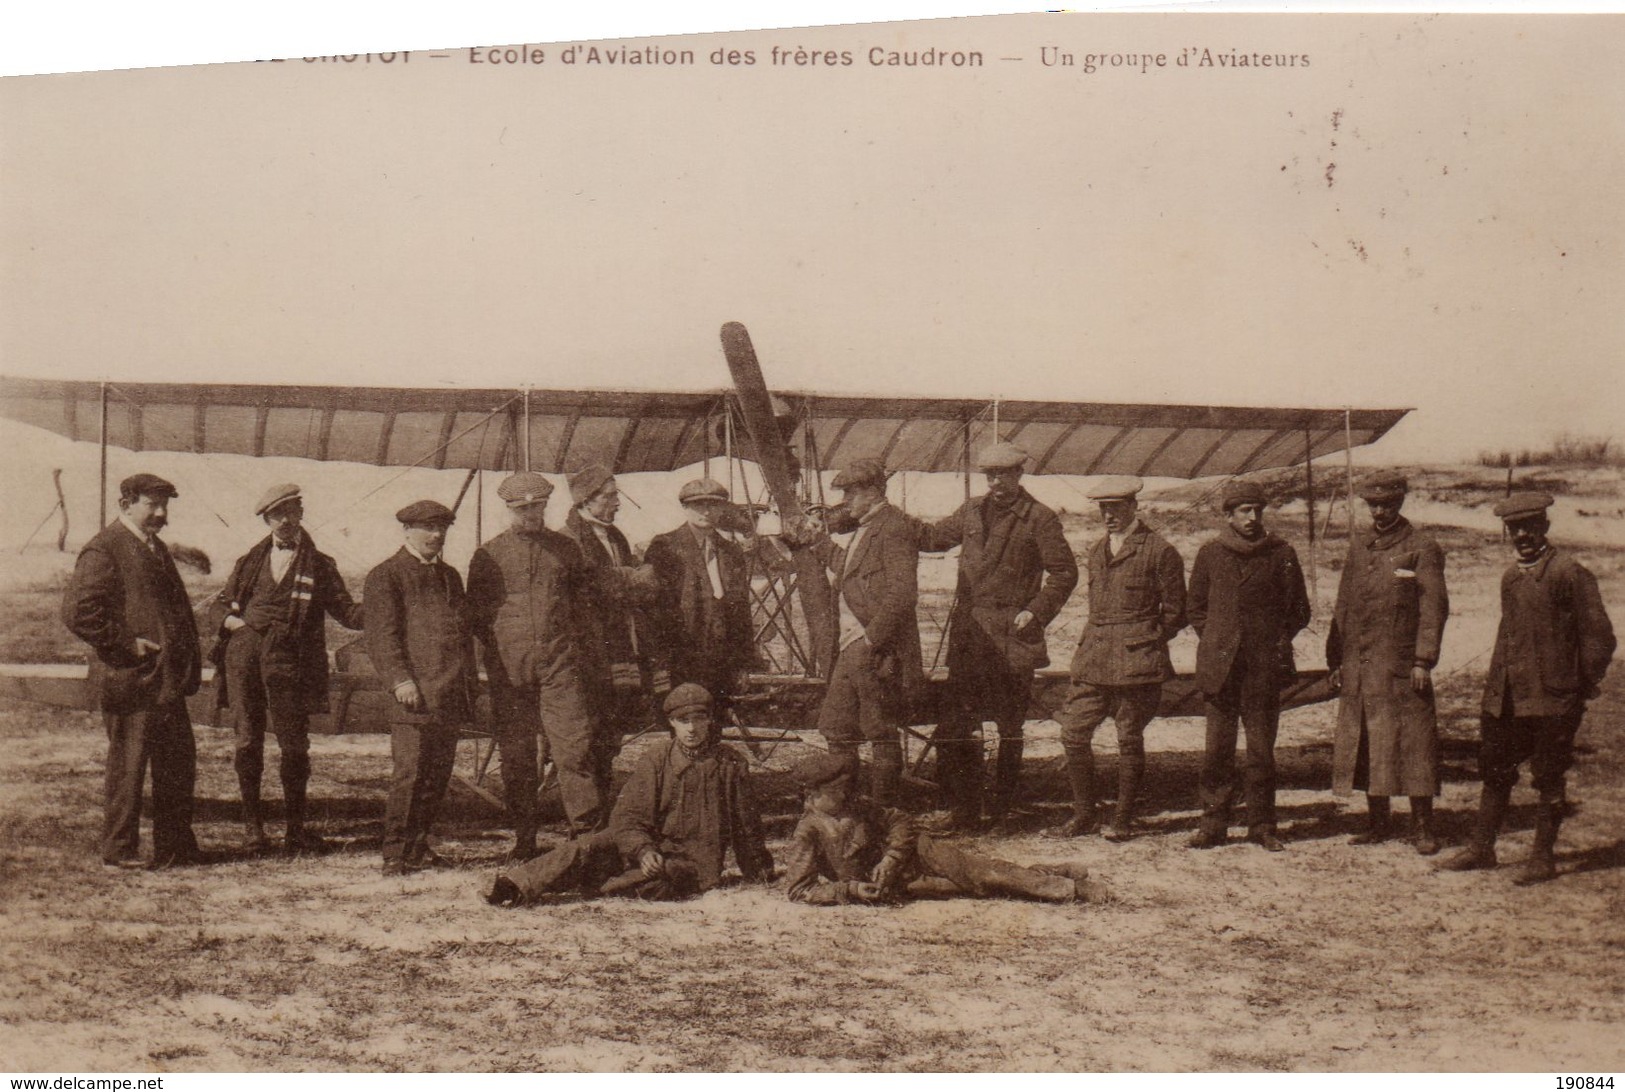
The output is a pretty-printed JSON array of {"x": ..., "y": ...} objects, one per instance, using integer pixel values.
[
  {"x": 1384, "y": 643},
  {"x": 127, "y": 602},
  {"x": 617, "y": 590},
  {"x": 1551, "y": 651},
  {"x": 1247, "y": 602},
  {"x": 701, "y": 610},
  {"x": 1015, "y": 573},
  {"x": 1136, "y": 606},
  {"x": 688, "y": 802},
  {"x": 270, "y": 658},
  {"x": 421, "y": 646},
  {"x": 527, "y": 592},
  {"x": 847, "y": 850}
]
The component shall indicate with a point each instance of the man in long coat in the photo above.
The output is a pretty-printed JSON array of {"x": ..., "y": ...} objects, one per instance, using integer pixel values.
[
  {"x": 1136, "y": 606},
  {"x": 701, "y": 611},
  {"x": 421, "y": 644},
  {"x": 614, "y": 648},
  {"x": 1552, "y": 649},
  {"x": 527, "y": 591},
  {"x": 271, "y": 658},
  {"x": 689, "y": 801},
  {"x": 1015, "y": 573},
  {"x": 127, "y": 602},
  {"x": 877, "y": 670},
  {"x": 1383, "y": 646},
  {"x": 1247, "y": 602}
]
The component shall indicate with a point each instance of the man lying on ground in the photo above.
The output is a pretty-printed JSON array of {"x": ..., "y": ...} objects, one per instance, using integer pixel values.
[
  {"x": 847, "y": 850},
  {"x": 687, "y": 803}
]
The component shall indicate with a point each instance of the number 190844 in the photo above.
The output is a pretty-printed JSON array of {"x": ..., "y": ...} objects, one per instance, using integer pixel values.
[{"x": 1578, "y": 1084}]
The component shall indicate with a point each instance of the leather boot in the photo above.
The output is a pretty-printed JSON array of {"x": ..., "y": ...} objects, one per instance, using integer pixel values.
[
  {"x": 1542, "y": 863},
  {"x": 1006, "y": 777},
  {"x": 254, "y": 839},
  {"x": 1129, "y": 772},
  {"x": 1423, "y": 835},
  {"x": 1379, "y": 822},
  {"x": 1480, "y": 852},
  {"x": 1080, "y": 772},
  {"x": 885, "y": 774},
  {"x": 297, "y": 839}
]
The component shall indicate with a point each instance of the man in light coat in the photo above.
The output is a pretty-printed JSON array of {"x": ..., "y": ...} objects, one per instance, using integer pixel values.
[{"x": 1382, "y": 649}]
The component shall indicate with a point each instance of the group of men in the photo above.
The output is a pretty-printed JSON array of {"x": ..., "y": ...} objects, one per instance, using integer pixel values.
[{"x": 583, "y": 642}]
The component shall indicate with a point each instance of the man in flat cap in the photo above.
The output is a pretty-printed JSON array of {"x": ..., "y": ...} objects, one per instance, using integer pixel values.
[
  {"x": 701, "y": 610},
  {"x": 688, "y": 802},
  {"x": 1552, "y": 649},
  {"x": 617, "y": 594},
  {"x": 527, "y": 590},
  {"x": 1383, "y": 646},
  {"x": 1247, "y": 602},
  {"x": 420, "y": 641},
  {"x": 1015, "y": 573},
  {"x": 1136, "y": 606},
  {"x": 847, "y": 850},
  {"x": 270, "y": 658},
  {"x": 127, "y": 602},
  {"x": 877, "y": 672}
]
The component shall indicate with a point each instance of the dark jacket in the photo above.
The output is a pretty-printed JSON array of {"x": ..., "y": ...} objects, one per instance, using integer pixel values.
[
  {"x": 692, "y": 808},
  {"x": 418, "y": 629},
  {"x": 121, "y": 590},
  {"x": 295, "y": 646},
  {"x": 527, "y": 603},
  {"x": 1012, "y": 558},
  {"x": 1247, "y": 602},
  {"x": 617, "y": 629},
  {"x": 1554, "y": 642},
  {"x": 880, "y": 582},
  {"x": 829, "y": 854},
  {"x": 1136, "y": 606},
  {"x": 697, "y": 637}
]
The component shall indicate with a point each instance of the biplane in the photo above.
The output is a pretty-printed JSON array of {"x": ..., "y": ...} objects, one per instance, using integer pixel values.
[{"x": 791, "y": 438}]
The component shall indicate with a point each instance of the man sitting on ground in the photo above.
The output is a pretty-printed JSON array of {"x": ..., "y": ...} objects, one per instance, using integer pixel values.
[
  {"x": 688, "y": 802},
  {"x": 847, "y": 850}
]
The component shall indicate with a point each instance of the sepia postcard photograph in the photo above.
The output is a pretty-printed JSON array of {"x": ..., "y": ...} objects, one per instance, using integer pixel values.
[{"x": 1043, "y": 543}]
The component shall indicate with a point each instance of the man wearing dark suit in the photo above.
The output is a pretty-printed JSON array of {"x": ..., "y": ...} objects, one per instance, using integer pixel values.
[
  {"x": 878, "y": 670},
  {"x": 126, "y": 601},
  {"x": 1015, "y": 573},
  {"x": 616, "y": 592},
  {"x": 420, "y": 641},
  {"x": 271, "y": 658},
  {"x": 701, "y": 611},
  {"x": 1247, "y": 602},
  {"x": 526, "y": 591},
  {"x": 1552, "y": 649},
  {"x": 1136, "y": 606}
]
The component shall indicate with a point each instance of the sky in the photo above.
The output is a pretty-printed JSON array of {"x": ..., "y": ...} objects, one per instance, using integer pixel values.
[{"x": 1421, "y": 216}]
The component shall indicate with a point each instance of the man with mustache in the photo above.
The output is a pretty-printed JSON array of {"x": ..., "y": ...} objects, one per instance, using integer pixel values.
[
  {"x": 271, "y": 659},
  {"x": 127, "y": 602},
  {"x": 1551, "y": 651}
]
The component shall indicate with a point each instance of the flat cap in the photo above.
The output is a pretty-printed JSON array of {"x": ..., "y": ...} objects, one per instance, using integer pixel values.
[
  {"x": 525, "y": 488},
  {"x": 145, "y": 485},
  {"x": 1116, "y": 487},
  {"x": 586, "y": 482},
  {"x": 687, "y": 698},
  {"x": 1523, "y": 506},
  {"x": 426, "y": 511},
  {"x": 1001, "y": 456},
  {"x": 702, "y": 489},
  {"x": 1237, "y": 493},
  {"x": 1384, "y": 485},
  {"x": 861, "y": 472},
  {"x": 823, "y": 768},
  {"x": 277, "y": 494}
]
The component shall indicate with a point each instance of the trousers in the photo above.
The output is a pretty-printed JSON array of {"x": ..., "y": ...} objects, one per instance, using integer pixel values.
[
  {"x": 161, "y": 738},
  {"x": 423, "y": 757}
]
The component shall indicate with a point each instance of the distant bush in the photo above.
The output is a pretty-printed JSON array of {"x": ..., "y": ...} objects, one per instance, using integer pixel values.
[{"x": 1566, "y": 450}]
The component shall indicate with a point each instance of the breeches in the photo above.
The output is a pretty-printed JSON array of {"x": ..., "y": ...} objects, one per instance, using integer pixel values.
[
  {"x": 1546, "y": 743},
  {"x": 257, "y": 705},
  {"x": 1088, "y": 704}
]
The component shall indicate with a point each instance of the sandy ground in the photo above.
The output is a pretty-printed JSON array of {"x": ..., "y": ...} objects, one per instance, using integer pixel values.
[{"x": 1325, "y": 957}]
